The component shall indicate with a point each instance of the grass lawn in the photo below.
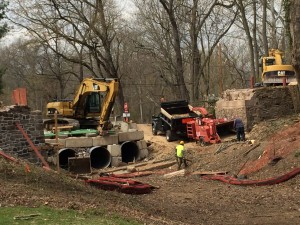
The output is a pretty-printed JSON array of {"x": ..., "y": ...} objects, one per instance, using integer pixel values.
[{"x": 49, "y": 216}]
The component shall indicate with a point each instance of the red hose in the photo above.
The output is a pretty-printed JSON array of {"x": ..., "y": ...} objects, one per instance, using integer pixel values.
[{"x": 269, "y": 181}]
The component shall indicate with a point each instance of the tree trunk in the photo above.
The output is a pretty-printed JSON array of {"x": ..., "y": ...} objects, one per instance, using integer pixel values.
[
  {"x": 248, "y": 34},
  {"x": 195, "y": 66},
  {"x": 169, "y": 8},
  {"x": 255, "y": 49},
  {"x": 264, "y": 28},
  {"x": 273, "y": 26},
  {"x": 295, "y": 31}
]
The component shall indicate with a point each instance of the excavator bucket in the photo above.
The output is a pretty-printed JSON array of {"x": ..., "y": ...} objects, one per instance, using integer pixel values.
[{"x": 224, "y": 127}]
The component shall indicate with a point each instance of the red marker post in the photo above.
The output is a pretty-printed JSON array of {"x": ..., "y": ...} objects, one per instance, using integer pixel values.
[{"x": 126, "y": 113}]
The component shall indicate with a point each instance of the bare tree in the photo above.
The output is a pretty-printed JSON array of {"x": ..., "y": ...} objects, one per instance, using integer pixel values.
[
  {"x": 170, "y": 8},
  {"x": 183, "y": 35},
  {"x": 264, "y": 27},
  {"x": 89, "y": 28},
  {"x": 243, "y": 13}
]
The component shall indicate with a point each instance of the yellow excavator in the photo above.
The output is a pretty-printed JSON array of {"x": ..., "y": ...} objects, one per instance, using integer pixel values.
[
  {"x": 90, "y": 108},
  {"x": 274, "y": 71}
]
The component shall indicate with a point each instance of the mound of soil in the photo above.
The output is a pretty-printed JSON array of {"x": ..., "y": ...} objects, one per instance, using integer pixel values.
[{"x": 273, "y": 151}]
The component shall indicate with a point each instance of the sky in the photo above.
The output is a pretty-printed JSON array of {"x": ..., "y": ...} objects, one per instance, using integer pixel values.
[{"x": 127, "y": 7}]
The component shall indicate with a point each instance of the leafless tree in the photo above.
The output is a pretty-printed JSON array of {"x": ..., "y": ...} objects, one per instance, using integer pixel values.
[
  {"x": 89, "y": 29},
  {"x": 183, "y": 36}
]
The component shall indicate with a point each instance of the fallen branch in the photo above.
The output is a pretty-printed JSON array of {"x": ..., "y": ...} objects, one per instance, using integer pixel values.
[
  {"x": 26, "y": 217},
  {"x": 223, "y": 147},
  {"x": 252, "y": 148}
]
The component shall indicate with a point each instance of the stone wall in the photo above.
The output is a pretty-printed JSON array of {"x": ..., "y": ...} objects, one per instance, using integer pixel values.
[
  {"x": 256, "y": 105},
  {"x": 11, "y": 138}
]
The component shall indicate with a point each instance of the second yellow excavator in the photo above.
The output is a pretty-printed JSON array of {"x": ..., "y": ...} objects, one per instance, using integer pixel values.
[
  {"x": 274, "y": 71},
  {"x": 91, "y": 107}
]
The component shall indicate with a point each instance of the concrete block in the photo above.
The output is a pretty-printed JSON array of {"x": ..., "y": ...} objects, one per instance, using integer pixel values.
[
  {"x": 105, "y": 140},
  {"x": 131, "y": 136},
  {"x": 230, "y": 104},
  {"x": 143, "y": 153},
  {"x": 116, "y": 161},
  {"x": 91, "y": 135},
  {"x": 141, "y": 144},
  {"x": 114, "y": 150},
  {"x": 63, "y": 136},
  {"x": 124, "y": 127},
  {"x": 131, "y": 130},
  {"x": 77, "y": 142},
  {"x": 133, "y": 126},
  {"x": 61, "y": 142}
]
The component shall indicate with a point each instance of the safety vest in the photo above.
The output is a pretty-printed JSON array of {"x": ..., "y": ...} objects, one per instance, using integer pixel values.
[{"x": 179, "y": 150}]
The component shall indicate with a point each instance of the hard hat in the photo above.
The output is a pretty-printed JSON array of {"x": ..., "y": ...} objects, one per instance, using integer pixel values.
[{"x": 181, "y": 142}]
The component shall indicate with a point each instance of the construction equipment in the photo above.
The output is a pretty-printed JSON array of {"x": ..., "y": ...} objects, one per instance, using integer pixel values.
[
  {"x": 202, "y": 129},
  {"x": 169, "y": 120},
  {"x": 178, "y": 119},
  {"x": 274, "y": 71},
  {"x": 90, "y": 108}
]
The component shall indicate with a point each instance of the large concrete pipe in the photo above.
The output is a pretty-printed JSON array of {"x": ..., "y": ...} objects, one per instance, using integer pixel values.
[
  {"x": 129, "y": 151},
  {"x": 63, "y": 156},
  {"x": 100, "y": 157}
]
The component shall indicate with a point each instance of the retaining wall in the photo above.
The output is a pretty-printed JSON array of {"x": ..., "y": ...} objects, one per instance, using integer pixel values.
[
  {"x": 11, "y": 138},
  {"x": 256, "y": 105}
]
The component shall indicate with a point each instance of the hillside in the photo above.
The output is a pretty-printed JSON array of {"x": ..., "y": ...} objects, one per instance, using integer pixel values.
[{"x": 189, "y": 199}]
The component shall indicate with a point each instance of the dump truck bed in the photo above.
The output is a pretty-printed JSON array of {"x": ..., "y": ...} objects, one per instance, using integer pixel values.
[{"x": 177, "y": 110}]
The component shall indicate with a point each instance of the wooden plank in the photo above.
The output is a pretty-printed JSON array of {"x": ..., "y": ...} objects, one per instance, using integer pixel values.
[
  {"x": 158, "y": 166},
  {"x": 179, "y": 173},
  {"x": 152, "y": 162},
  {"x": 165, "y": 113},
  {"x": 125, "y": 167}
]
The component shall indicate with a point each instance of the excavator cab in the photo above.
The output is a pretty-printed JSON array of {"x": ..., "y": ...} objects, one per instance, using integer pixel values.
[{"x": 93, "y": 103}]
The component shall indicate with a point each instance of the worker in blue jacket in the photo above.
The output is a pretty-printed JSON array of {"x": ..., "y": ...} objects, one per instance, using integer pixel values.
[
  {"x": 180, "y": 154},
  {"x": 240, "y": 130}
]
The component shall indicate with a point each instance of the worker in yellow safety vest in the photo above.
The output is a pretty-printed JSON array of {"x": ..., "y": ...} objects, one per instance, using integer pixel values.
[{"x": 180, "y": 155}]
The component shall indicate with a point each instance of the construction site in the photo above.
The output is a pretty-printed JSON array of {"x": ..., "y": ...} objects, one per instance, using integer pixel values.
[
  {"x": 149, "y": 112},
  {"x": 131, "y": 168}
]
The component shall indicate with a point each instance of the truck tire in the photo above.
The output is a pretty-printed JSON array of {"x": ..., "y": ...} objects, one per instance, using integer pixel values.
[
  {"x": 202, "y": 142},
  {"x": 169, "y": 136},
  {"x": 154, "y": 131}
]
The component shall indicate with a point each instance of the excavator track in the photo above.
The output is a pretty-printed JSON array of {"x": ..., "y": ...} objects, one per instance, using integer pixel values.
[{"x": 49, "y": 124}]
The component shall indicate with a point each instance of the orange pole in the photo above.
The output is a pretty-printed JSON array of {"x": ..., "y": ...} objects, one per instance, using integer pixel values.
[{"x": 32, "y": 145}]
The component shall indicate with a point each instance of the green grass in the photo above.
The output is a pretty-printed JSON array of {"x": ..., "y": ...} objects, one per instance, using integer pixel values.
[{"x": 49, "y": 216}]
